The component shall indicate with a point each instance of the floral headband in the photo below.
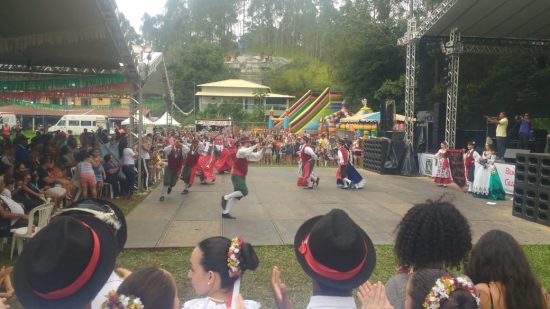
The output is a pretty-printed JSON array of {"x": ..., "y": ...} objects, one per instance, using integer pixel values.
[
  {"x": 120, "y": 301},
  {"x": 234, "y": 256},
  {"x": 444, "y": 287}
]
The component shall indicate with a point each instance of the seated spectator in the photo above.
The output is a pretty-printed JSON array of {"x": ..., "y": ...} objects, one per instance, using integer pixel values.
[
  {"x": 48, "y": 184},
  {"x": 153, "y": 287},
  {"x": 9, "y": 187},
  {"x": 12, "y": 213},
  {"x": 433, "y": 234},
  {"x": 29, "y": 194},
  {"x": 336, "y": 254},
  {"x": 435, "y": 288},
  {"x": 502, "y": 274},
  {"x": 19, "y": 171},
  {"x": 213, "y": 274},
  {"x": 67, "y": 272},
  {"x": 7, "y": 161},
  {"x": 114, "y": 176}
]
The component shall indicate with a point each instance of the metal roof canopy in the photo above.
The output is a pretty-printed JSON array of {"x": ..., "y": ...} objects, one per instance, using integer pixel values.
[
  {"x": 63, "y": 36},
  {"x": 499, "y": 19},
  {"x": 473, "y": 26}
]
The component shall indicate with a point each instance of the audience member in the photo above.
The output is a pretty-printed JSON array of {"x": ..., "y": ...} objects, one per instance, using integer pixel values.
[
  {"x": 216, "y": 264},
  {"x": 12, "y": 213},
  {"x": 336, "y": 254},
  {"x": 433, "y": 234},
  {"x": 435, "y": 288},
  {"x": 67, "y": 272},
  {"x": 114, "y": 176},
  {"x": 502, "y": 274},
  {"x": 153, "y": 286}
]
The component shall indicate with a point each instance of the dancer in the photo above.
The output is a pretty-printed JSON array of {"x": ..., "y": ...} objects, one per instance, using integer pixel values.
[
  {"x": 238, "y": 175},
  {"x": 346, "y": 175},
  {"x": 443, "y": 175},
  {"x": 470, "y": 158},
  {"x": 487, "y": 183},
  {"x": 206, "y": 163},
  {"x": 343, "y": 161},
  {"x": 176, "y": 154},
  {"x": 227, "y": 157},
  {"x": 191, "y": 165},
  {"x": 307, "y": 158}
]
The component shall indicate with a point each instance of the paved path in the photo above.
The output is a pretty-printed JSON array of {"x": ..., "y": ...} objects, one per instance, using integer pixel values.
[{"x": 275, "y": 208}]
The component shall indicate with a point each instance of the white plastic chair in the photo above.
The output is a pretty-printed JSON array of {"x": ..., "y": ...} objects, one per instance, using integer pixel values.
[
  {"x": 20, "y": 234},
  {"x": 76, "y": 183},
  {"x": 109, "y": 188}
]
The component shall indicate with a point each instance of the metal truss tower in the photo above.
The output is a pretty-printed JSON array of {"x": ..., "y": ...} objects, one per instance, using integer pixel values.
[
  {"x": 452, "y": 50},
  {"x": 410, "y": 80}
]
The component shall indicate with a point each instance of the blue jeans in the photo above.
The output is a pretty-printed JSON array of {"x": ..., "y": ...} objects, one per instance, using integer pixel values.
[
  {"x": 130, "y": 173},
  {"x": 501, "y": 147}
]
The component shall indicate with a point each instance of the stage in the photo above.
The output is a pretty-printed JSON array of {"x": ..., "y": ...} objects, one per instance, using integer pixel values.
[{"x": 276, "y": 207}]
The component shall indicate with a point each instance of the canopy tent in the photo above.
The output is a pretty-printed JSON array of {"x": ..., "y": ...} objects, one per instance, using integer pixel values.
[
  {"x": 146, "y": 120},
  {"x": 163, "y": 121},
  {"x": 369, "y": 117}
]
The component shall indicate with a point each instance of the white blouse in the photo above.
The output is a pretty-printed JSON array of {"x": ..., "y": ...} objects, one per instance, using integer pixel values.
[{"x": 207, "y": 303}]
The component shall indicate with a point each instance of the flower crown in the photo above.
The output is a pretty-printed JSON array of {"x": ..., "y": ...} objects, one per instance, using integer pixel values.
[
  {"x": 234, "y": 256},
  {"x": 120, "y": 301},
  {"x": 444, "y": 287}
]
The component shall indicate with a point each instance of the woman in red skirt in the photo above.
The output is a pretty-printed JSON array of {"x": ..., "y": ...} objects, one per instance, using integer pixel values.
[{"x": 443, "y": 175}]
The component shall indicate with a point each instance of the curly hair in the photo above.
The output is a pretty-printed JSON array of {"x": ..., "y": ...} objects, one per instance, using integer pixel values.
[{"x": 433, "y": 232}]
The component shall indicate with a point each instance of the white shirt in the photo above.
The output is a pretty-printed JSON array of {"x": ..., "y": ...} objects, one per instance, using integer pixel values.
[
  {"x": 128, "y": 156},
  {"x": 112, "y": 284},
  {"x": 249, "y": 153},
  {"x": 15, "y": 207},
  {"x": 331, "y": 302},
  {"x": 6, "y": 193},
  {"x": 307, "y": 150},
  {"x": 206, "y": 303}
]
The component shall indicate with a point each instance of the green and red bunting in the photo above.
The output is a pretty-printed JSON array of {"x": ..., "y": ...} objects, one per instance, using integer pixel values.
[
  {"x": 61, "y": 93},
  {"x": 62, "y": 83},
  {"x": 62, "y": 87}
]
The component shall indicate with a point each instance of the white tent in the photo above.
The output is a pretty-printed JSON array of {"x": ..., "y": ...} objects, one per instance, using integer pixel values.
[
  {"x": 146, "y": 121},
  {"x": 163, "y": 121}
]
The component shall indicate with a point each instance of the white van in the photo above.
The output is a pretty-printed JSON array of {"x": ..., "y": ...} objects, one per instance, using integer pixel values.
[
  {"x": 8, "y": 118},
  {"x": 77, "y": 123}
]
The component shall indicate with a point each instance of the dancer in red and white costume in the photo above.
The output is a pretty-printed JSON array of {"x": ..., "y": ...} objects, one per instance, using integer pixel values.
[
  {"x": 238, "y": 176},
  {"x": 443, "y": 174},
  {"x": 307, "y": 163},
  {"x": 191, "y": 166},
  {"x": 227, "y": 157},
  {"x": 206, "y": 162},
  {"x": 343, "y": 162}
]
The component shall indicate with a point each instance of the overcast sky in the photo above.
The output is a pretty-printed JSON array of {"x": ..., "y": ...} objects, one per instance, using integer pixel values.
[{"x": 134, "y": 10}]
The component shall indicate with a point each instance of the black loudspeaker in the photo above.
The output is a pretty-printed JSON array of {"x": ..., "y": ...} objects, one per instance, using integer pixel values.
[
  {"x": 547, "y": 148},
  {"x": 510, "y": 154},
  {"x": 532, "y": 186},
  {"x": 387, "y": 113}
]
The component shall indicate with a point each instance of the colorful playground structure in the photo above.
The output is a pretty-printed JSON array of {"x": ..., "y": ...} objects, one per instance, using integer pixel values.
[{"x": 326, "y": 112}]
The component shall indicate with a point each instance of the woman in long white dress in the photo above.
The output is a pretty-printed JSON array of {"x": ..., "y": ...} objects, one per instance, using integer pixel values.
[
  {"x": 216, "y": 265},
  {"x": 443, "y": 175},
  {"x": 487, "y": 183}
]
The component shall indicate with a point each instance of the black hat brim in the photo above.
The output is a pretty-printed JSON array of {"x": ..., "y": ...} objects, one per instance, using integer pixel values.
[
  {"x": 84, "y": 295},
  {"x": 122, "y": 233},
  {"x": 348, "y": 284}
]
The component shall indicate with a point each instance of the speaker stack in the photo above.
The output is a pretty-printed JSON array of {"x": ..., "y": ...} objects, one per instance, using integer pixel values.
[
  {"x": 375, "y": 151},
  {"x": 532, "y": 187}
]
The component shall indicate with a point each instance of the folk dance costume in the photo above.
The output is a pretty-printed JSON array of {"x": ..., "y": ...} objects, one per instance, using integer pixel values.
[
  {"x": 346, "y": 175},
  {"x": 307, "y": 163},
  {"x": 443, "y": 174},
  {"x": 206, "y": 164},
  {"x": 487, "y": 183},
  {"x": 191, "y": 165},
  {"x": 470, "y": 158},
  {"x": 227, "y": 157},
  {"x": 238, "y": 176},
  {"x": 176, "y": 156}
]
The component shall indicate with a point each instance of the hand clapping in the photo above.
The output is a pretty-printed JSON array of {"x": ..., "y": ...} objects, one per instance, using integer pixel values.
[{"x": 373, "y": 296}]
